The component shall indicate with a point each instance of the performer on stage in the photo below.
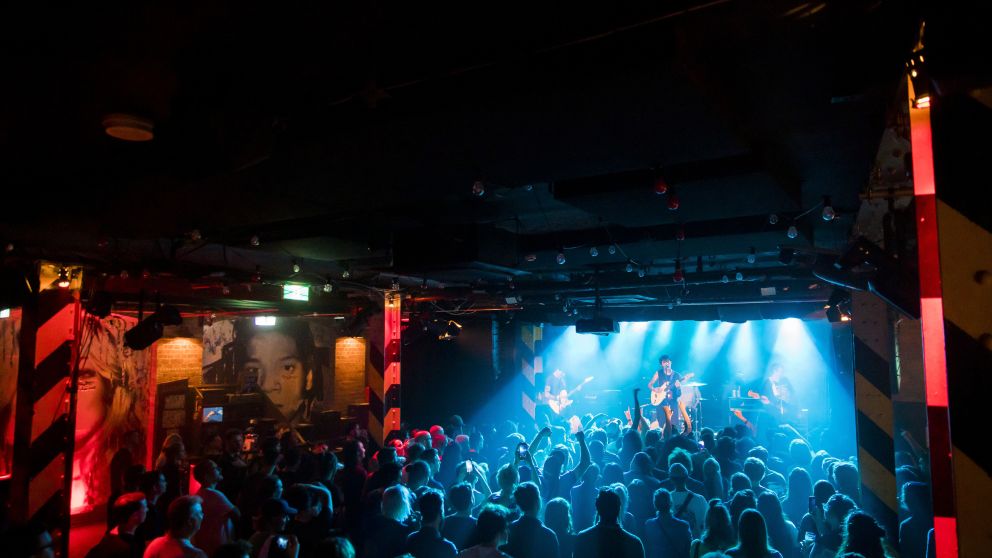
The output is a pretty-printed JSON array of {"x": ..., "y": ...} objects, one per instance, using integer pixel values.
[
  {"x": 666, "y": 394},
  {"x": 776, "y": 393}
]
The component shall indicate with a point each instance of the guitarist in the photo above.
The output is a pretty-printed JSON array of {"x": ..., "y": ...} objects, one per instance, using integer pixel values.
[{"x": 671, "y": 381}]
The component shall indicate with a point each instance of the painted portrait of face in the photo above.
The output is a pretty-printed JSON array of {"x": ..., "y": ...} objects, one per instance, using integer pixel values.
[
  {"x": 274, "y": 361},
  {"x": 278, "y": 362}
]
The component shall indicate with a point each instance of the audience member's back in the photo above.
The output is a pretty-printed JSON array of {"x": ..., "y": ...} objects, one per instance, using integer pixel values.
[
  {"x": 664, "y": 535},
  {"x": 607, "y": 538},
  {"x": 529, "y": 538},
  {"x": 583, "y": 499},
  {"x": 459, "y": 527}
]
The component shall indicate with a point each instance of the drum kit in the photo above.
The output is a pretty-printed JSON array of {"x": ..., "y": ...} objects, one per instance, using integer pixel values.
[{"x": 692, "y": 401}]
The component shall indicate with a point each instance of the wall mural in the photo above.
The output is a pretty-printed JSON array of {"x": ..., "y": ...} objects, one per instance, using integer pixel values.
[
  {"x": 111, "y": 408},
  {"x": 9, "y": 328},
  {"x": 288, "y": 362}
]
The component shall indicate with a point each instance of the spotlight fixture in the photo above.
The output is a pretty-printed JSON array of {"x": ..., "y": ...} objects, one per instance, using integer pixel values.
[
  {"x": 629, "y": 267},
  {"x": 594, "y": 251},
  {"x": 296, "y": 267},
  {"x": 560, "y": 258},
  {"x": 673, "y": 200},
  {"x": 918, "y": 78},
  {"x": 828, "y": 213},
  {"x": 680, "y": 234},
  {"x": 575, "y": 311},
  {"x": 793, "y": 232},
  {"x": 452, "y": 330},
  {"x": 725, "y": 279},
  {"x": 739, "y": 276},
  {"x": 195, "y": 235},
  {"x": 838, "y": 306},
  {"x": 641, "y": 272},
  {"x": 128, "y": 127},
  {"x": 773, "y": 219},
  {"x": 150, "y": 329},
  {"x": 63, "y": 280},
  {"x": 257, "y": 276},
  {"x": 478, "y": 188},
  {"x": 255, "y": 241},
  {"x": 751, "y": 256},
  {"x": 395, "y": 285},
  {"x": 530, "y": 258},
  {"x": 345, "y": 273},
  {"x": 328, "y": 286},
  {"x": 612, "y": 249},
  {"x": 9, "y": 247},
  {"x": 678, "y": 276},
  {"x": 660, "y": 186}
]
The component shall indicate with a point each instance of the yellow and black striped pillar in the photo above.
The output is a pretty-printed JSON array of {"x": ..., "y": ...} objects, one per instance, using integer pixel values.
[
  {"x": 873, "y": 370},
  {"x": 383, "y": 370},
  {"x": 41, "y": 480},
  {"x": 954, "y": 234},
  {"x": 529, "y": 346}
]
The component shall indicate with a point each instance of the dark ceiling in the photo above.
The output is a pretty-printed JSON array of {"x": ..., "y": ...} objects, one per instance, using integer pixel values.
[{"x": 348, "y": 137}]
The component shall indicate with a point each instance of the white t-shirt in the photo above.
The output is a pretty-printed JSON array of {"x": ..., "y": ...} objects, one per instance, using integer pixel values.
[
  {"x": 168, "y": 547},
  {"x": 695, "y": 512}
]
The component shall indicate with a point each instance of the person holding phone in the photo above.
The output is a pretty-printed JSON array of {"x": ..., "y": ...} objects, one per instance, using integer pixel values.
[{"x": 271, "y": 539}]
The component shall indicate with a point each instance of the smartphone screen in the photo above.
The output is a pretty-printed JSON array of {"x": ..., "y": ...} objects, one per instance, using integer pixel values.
[
  {"x": 468, "y": 466},
  {"x": 282, "y": 542},
  {"x": 522, "y": 449}
]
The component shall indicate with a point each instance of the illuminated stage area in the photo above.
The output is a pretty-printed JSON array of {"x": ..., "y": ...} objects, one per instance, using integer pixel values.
[{"x": 722, "y": 357}]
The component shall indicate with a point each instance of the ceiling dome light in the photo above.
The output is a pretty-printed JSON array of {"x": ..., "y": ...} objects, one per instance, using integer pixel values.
[
  {"x": 63, "y": 281},
  {"x": 678, "y": 276},
  {"x": 296, "y": 267},
  {"x": 793, "y": 232},
  {"x": 560, "y": 258},
  {"x": 739, "y": 276},
  {"x": 612, "y": 249},
  {"x": 673, "y": 201},
  {"x": 629, "y": 267},
  {"x": 773, "y": 219},
  {"x": 751, "y": 256},
  {"x": 594, "y": 251},
  {"x": 478, "y": 188},
  {"x": 660, "y": 186},
  {"x": 828, "y": 210},
  {"x": 725, "y": 279},
  {"x": 530, "y": 257},
  {"x": 128, "y": 127},
  {"x": 328, "y": 287},
  {"x": 255, "y": 241},
  {"x": 641, "y": 272}
]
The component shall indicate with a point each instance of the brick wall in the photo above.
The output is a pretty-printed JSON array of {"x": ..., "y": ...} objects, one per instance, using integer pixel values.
[
  {"x": 349, "y": 372},
  {"x": 179, "y": 358}
]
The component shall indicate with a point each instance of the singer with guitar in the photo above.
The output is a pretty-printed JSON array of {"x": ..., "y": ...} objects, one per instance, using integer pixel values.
[{"x": 666, "y": 387}]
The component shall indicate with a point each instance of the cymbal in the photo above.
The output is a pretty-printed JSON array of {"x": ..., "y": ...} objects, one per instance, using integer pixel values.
[{"x": 694, "y": 384}]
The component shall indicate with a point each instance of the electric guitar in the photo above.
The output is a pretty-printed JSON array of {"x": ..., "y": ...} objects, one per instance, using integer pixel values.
[
  {"x": 561, "y": 401},
  {"x": 660, "y": 393}
]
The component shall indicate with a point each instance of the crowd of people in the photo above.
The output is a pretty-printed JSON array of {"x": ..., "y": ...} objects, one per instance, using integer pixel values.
[{"x": 602, "y": 488}]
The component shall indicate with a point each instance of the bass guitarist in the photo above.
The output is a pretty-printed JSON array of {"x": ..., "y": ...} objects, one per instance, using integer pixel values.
[{"x": 666, "y": 395}]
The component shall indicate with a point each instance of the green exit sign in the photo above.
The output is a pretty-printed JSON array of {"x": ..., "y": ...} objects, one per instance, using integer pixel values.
[{"x": 296, "y": 292}]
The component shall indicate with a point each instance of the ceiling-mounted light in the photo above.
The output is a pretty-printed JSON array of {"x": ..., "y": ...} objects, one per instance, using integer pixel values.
[
  {"x": 828, "y": 213},
  {"x": 680, "y": 234},
  {"x": 452, "y": 329},
  {"x": 560, "y": 258},
  {"x": 629, "y": 267},
  {"x": 641, "y": 272},
  {"x": 725, "y": 279},
  {"x": 678, "y": 276},
  {"x": 63, "y": 280},
  {"x": 395, "y": 285},
  {"x": 673, "y": 199},
  {"x": 575, "y": 311},
  {"x": 328, "y": 287},
  {"x": 594, "y": 251},
  {"x": 255, "y": 242},
  {"x": 751, "y": 256},
  {"x": 195, "y": 235},
  {"x": 257, "y": 276},
  {"x": 918, "y": 78},
  {"x": 128, "y": 127},
  {"x": 151, "y": 328},
  {"x": 478, "y": 188},
  {"x": 773, "y": 219},
  {"x": 660, "y": 186},
  {"x": 739, "y": 276},
  {"x": 345, "y": 273},
  {"x": 793, "y": 232},
  {"x": 612, "y": 249},
  {"x": 296, "y": 267},
  {"x": 530, "y": 258},
  {"x": 838, "y": 306}
]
